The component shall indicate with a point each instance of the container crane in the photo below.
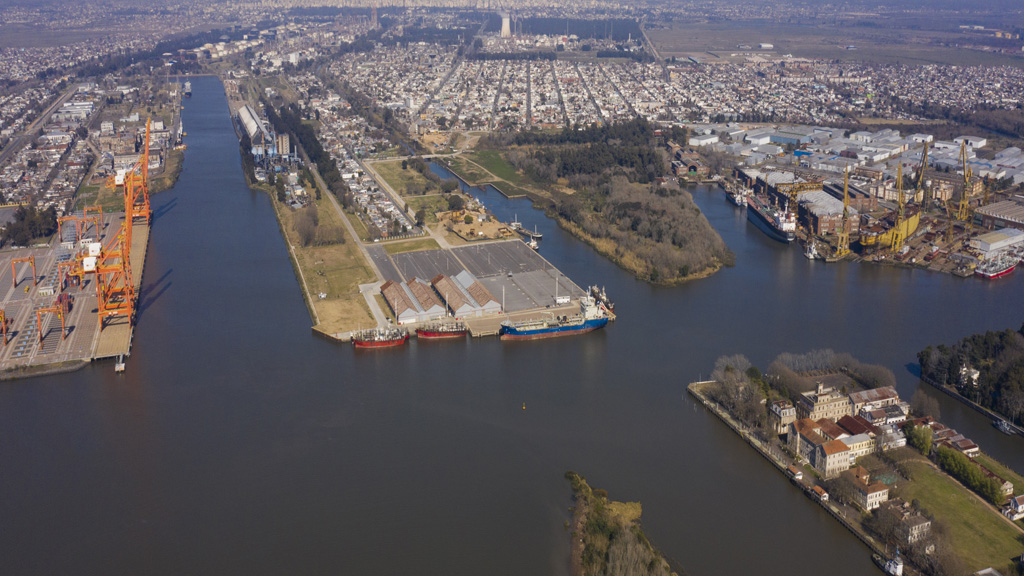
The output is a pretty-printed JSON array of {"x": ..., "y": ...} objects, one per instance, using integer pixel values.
[
  {"x": 27, "y": 260},
  {"x": 963, "y": 211},
  {"x": 919, "y": 180},
  {"x": 843, "y": 244},
  {"x": 898, "y": 225}
]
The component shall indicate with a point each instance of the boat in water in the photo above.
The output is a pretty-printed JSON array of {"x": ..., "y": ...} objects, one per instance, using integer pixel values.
[
  {"x": 893, "y": 567},
  {"x": 532, "y": 243},
  {"x": 777, "y": 224},
  {"x": 996, "y": 267},
  {"x": 442, "y": 331},
  {"x": 380, "y": 337},
  {"x": 516, "y": 224},
  {"x": 188, "y": 89},
  {"x": 602, "y": 297},
  {"x": 1003, "y": 426},
  {"x": 811, "y": 250},
  {"x": 591, "y": 317}
]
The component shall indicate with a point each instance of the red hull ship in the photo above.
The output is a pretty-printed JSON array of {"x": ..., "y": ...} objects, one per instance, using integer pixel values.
[
  {"x": 996, "y": 269},
  {"x": 442, "y": 331},
  {"x": 378, "y": 338}
]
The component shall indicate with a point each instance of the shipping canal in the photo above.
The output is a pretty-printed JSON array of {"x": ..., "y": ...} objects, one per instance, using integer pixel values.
[{"x": 238, "y": 442}]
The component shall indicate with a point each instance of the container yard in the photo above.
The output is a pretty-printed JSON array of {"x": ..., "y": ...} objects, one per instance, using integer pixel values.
[{"x": 52, "y": 319}]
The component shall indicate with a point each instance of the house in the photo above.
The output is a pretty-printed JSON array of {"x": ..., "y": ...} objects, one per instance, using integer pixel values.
[
  {"x": 831, "y": 458},
  {"x": 794, "y": 472},
  {"x": 1014, "y": 509},
  {"x": 874, "y": 398},
  {"x": 830, "y": 430},
  {"x": 820, "y": 494},
  {"x": 781, "y": 414},
  {"x": 859, "y": 445},
  {"x": 911, "y": 525},
  {"x": 824, "y": 402},
  {"x": 803, "y": 438},
  {"x": 867, "y": 495}
]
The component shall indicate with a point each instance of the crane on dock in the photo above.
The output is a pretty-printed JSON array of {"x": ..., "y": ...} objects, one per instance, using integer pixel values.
[
  {"x": 919, "y": 179},
  {"x": 792, "y": 191},
  {"x": 27, "y": 260},
  {"x": 899, "y": 231},
  {"x": 843, "y": 244},
  {"x": 963, "y": 211}
]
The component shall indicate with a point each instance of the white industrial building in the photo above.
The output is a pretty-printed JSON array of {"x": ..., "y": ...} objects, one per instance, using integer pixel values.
[{"x": 992, "y": 243}]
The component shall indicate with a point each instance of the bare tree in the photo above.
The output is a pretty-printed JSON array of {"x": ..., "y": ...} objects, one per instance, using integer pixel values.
[{"x": 924, "y": 405}]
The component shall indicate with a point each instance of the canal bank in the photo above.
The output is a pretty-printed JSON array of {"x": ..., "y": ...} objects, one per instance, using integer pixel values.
[{"x": 237, "y": 442}]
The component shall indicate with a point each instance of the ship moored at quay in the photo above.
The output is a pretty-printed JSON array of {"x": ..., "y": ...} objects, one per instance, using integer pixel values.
[
  {"x": 592, "y": 316},
  {"x": 380, "y": 338},
  {"x": 777, "y": 224},
  {"x": 442, "y": 331}
]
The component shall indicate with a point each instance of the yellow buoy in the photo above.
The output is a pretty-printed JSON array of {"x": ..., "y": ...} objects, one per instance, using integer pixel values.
[{"x": 524, "y": 405}]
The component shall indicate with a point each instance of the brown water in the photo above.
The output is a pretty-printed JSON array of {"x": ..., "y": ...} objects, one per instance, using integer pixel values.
[{"x": 237, "y": 442}]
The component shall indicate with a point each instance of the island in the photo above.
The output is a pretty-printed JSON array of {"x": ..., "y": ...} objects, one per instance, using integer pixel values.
[{"x": 606, "y": 536}]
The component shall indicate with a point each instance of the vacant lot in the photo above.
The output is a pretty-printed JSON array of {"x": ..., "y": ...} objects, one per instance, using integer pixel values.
[
  {"x": 334, "y": 270},
  {"x": 401, "y": 181}
]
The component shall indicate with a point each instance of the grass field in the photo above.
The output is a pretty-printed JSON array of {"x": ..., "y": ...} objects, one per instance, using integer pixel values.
[
  {"x": 981, "y": 537},
  {"x": 430, "y": 204},
  {"x": 400, "y": 180},
  {"x": 411, "y": 246},
  {"x": 335, "y": 270}
]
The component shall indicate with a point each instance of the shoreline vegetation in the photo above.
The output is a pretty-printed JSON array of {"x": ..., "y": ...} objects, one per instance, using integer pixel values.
[
  {"x": 607, "y": 539},
  {"x": 986, "y": 370},
  {"x": 968, "y": 532},
  {"x": 609, "y": 186}
]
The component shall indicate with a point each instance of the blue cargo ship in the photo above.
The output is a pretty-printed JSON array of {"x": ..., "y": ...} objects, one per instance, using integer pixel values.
[{"x": 591, "y": 317}]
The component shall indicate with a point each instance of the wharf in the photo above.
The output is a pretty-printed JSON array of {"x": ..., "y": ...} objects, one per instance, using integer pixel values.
[{"x": 115, "y": 339}]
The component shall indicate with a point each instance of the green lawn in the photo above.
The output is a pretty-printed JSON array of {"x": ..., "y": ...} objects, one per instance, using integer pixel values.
[
  {"x": 981, "y": 537},
  {"x": 411, "y": 246},
  {"x": 430, "y": 204},
  {"x": 493, "y": 162},
  {"x": 400, "y": 180}
]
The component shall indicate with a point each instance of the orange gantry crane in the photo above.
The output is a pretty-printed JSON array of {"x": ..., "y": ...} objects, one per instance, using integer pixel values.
[
  {"x": 27, "y": 260},
  {"x": 115, "y": 292},
  {"x": 60, "y": 308}
]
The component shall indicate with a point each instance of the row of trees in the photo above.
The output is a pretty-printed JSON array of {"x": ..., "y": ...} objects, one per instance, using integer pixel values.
[
  {"x": 970, "y": 474},
  {"x": 30, "y": 224},
  {"x": 999, "y": 359}
]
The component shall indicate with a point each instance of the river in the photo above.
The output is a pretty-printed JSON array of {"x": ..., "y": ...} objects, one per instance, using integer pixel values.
[{"x": 238, "y": 442}]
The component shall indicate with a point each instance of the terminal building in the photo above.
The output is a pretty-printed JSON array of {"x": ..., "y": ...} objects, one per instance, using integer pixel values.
[
  {"x": 465, "y": 296},
  {"x": 412, "y": 302}
]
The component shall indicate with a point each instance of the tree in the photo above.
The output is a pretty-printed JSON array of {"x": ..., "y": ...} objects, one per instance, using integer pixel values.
[
  {"x": 279, "y": 185},
  {"x": 421, "y": 216},
  {"x": 920, "y": 437},
  {"x": 405, "y": 164},
  {"x": 468, "y": 219},
  {"x": 455, "y": 202},
  {"x": 924, "y": 405}
]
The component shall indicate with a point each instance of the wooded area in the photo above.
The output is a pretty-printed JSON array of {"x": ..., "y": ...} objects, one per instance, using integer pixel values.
[
  {"x": 999, "y": 359},
  {"x": 620, "y": 203}
]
